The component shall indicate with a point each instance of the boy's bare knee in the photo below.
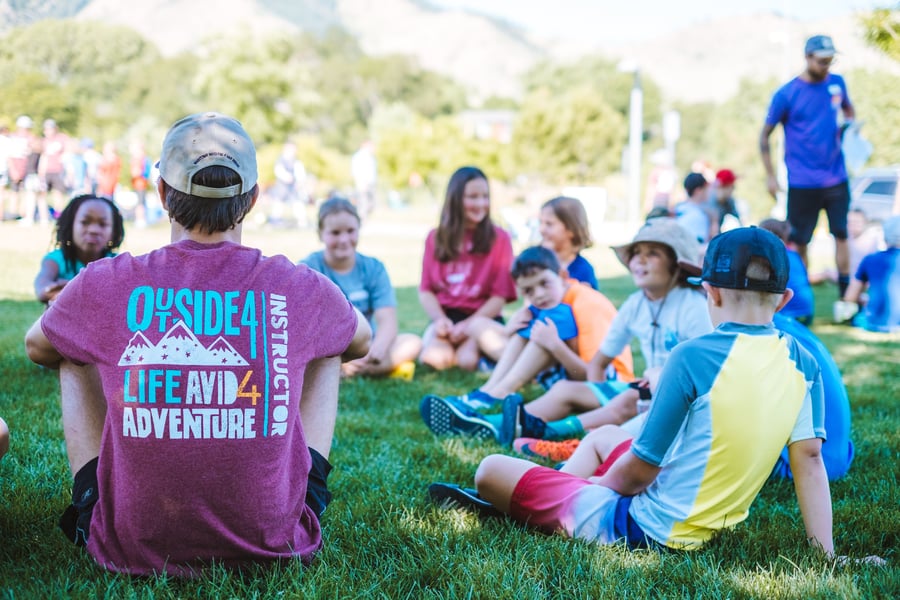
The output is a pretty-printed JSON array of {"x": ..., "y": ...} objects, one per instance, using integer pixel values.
[
  {"x": 436, "y": 358},
  {"x": 468, "y": 361},
  {"x": 486, "y": 474},
  {"x": 624, "y": 406},
  {"x": 605, "y": 439}
]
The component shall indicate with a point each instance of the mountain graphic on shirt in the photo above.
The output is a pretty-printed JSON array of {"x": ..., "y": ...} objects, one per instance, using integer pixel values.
[{"x": 179, "y": 346}]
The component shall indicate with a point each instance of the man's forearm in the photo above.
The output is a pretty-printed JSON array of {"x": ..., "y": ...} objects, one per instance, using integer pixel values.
[
  {"x": 362, "y": 339},
  {"x": 318, "y": 402},
  {"x": 765, "y": 153}
]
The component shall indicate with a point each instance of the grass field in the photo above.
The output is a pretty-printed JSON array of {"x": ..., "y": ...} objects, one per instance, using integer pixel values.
[{"x": 383, "y": 539}]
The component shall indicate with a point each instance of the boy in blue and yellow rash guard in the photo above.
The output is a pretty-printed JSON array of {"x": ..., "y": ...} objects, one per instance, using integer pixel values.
[{"x": 726, "y": 405}]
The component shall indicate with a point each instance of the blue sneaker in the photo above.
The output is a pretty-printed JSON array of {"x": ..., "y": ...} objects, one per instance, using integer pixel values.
[
  {"x": 511, "y": 427},
  {"x": 451, "y": 495},
  {"x": 548, "y": 377},
  {"x": 476, "y": 400},
  {"x": 444, "y": 416},
  {"x": 486, "y": 365}
]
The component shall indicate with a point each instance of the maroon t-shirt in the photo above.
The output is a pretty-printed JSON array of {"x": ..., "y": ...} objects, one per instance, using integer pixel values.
[
  {"x": 202, "y": 350},
  {"x": 468, "y": 281}
]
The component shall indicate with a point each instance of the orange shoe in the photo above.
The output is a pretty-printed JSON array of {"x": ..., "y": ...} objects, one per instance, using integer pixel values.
[{"x": 555, "y": 451}]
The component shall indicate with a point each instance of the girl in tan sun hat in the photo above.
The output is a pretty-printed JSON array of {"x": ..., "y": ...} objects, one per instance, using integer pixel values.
[{"x": 664, "y": 311}]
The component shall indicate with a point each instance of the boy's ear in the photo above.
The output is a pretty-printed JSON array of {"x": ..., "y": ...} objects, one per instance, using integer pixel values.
[
  {"x": 161, "y": 190},
  {"x": 713, "y": 293},
  {"x": 785, "y": 298}
]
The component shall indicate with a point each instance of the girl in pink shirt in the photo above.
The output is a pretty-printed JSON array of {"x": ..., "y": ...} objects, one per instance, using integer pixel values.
[{"x": 465, "y": 272}]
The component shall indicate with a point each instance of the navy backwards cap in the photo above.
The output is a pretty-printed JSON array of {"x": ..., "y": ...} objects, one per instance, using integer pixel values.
[{"x": 730, "y": 253}]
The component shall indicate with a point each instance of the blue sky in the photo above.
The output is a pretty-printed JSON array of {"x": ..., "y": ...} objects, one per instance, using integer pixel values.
[{"x": 635, "y": 20}]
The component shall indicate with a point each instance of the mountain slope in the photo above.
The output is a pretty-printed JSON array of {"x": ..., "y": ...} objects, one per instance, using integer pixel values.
[
  {"x": 477, "y": 51},
  {"x": 706, "y": 61},
  {"x": 702, "y": 62}
]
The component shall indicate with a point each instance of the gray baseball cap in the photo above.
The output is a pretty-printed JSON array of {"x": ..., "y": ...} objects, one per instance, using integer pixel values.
[{"x": 204, "y": 140}]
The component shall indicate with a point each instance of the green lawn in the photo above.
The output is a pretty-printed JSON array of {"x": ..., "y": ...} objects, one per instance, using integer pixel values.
[{"x": 382, "y": 536}]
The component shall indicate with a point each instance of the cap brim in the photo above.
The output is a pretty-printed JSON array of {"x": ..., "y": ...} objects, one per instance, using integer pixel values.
[
  {"x": 622, "y": 252},
  {"x": 695, "y": 280}
]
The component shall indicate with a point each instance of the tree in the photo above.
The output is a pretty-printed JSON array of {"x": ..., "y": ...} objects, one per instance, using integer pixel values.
[
  {"x": 874, "y": 96},
  {"x": 604, "y": 77},
  {"x": 32, "y": 94},
  {"x": 268, "y": 84},
  {"x": 408, "y": 145},
  {"x": 882, "y": 30},
  {"x": 87, "y": 62},
  {"x": 573, "y": 137}
]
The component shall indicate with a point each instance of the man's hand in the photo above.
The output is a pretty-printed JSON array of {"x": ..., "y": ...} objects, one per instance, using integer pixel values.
[{"x": 772, "y": 186}]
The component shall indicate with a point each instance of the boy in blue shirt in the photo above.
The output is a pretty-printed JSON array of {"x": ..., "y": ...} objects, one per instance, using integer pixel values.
[
  {"x": 727, "y": 403},
  {"x": 802, "y": 306},
  {"x": 538, "y": 276},
  {"x": 879, "y": 274}
]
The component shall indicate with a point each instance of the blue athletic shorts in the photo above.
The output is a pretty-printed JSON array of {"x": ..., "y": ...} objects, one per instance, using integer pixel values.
[{"x": 607, "y": 390}]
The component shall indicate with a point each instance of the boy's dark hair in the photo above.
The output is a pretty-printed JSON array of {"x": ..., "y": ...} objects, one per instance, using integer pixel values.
[
  {"x": 570, "y": 211},
  {"x": 209, "y": 215},
  {"x": 334, "y": 205},
  {"x": 65, "y": 226},
  {"x": 694, "y": 181},
  {"x": 533, "y": 260},
  {"x": 780, "y": 228},
  {"x": 658, "y": 212},
  {"x": 449, "y": 236}
]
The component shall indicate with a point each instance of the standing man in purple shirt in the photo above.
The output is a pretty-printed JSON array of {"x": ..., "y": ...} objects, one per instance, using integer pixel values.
[{"x": 814, "y": 109}]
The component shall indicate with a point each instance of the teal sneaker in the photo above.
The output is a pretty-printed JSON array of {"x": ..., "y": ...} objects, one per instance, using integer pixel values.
[
  {"x": 476, "y": 400},
  {"x": 445, "y": 416},
  {"x": 511, "y": 426}
]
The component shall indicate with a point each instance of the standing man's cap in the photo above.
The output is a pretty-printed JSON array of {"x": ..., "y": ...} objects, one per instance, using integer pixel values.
[
  {"x": 726, "y": 177},
  {"x": 820, "y": 46},
  {"x": 728, "y": 256},
  {"x": 24, "y": 122},
  {"x": 49, "y": 124},
  {"x": 204, "y": 140}
]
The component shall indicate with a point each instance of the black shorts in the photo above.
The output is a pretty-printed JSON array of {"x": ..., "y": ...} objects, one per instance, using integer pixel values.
[
  {"x": 804, "y": 205},
  {"x": 456, "y": 315},
  {"x": 317, "y": 497}
]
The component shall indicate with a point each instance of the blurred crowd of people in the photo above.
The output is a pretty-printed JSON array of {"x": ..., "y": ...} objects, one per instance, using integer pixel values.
[{"x": 40, "y": 171}]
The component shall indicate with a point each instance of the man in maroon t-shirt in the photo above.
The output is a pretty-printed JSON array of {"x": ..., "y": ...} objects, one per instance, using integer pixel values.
[{"x": 209, "y": 372}]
